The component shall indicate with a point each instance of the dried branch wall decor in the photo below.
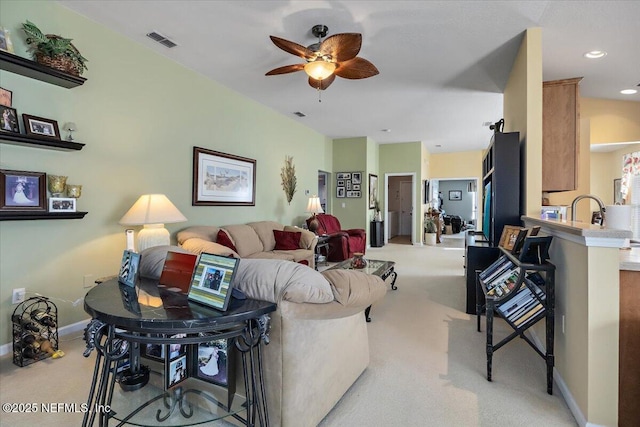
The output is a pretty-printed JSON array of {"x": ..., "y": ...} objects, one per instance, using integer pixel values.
[{"x": 288, "y": 175}]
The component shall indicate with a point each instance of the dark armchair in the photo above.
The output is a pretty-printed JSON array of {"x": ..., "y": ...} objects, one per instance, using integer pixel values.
[{"x": 342, "y": 243}]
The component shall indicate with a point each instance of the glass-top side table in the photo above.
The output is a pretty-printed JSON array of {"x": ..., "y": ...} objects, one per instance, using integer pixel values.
[{"x": 126, "y": 319}]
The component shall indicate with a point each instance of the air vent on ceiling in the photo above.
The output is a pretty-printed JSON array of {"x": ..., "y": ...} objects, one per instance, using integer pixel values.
[
  {"x": 300, "y": 114},
  {"x": 156, "y": 36}
]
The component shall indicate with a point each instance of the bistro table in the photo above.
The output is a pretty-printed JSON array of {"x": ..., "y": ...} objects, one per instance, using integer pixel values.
[{"x": 124, "y": 318}]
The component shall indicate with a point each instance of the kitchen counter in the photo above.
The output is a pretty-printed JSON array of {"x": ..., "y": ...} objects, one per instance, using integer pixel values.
[{"x": 582, "y": 232}]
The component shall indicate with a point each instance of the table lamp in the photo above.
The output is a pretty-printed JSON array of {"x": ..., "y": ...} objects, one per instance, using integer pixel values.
[
  {"x": 152, "y": 211},
  {"x": 314, "y": 208}
]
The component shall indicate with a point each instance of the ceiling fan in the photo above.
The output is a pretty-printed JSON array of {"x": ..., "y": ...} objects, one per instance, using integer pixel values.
[{"x": 334, "y": 56}]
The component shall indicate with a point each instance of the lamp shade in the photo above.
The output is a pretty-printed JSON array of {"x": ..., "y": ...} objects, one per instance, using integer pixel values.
[
  {"x": 152, "y": 209},
  {"x": 314, "y": 205}
]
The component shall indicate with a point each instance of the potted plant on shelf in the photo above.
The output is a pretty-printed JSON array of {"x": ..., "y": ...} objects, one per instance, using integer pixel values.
[
  {"x": 430, "y": 230},
  {"x": 54, "y": 51}
]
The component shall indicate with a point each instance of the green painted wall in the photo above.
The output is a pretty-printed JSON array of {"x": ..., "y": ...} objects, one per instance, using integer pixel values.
[
  {"x": 140, "y": 116},
  {"x": 350, "y": 155}
]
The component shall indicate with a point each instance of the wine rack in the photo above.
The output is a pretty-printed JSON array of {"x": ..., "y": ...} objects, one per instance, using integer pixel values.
[{"x": 35, "y": 331}]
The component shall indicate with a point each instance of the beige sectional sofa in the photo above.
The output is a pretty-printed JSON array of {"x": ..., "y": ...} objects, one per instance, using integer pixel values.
[
  {"x": 254, "y": 240},
  {"x": 319, "y": 344}
]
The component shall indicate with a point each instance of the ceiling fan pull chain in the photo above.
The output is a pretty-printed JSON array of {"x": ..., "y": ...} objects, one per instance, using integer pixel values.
[{"x": 319, "y": 93}]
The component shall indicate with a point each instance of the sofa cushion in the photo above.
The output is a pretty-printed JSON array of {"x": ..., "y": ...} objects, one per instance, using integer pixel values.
[
  {"x": 197, "y": 246},
  {"x": 355, "y": 288},
  {"x": 277, "y": 280},
  {"x": 152, "y": 260},
  {"x": 223, "y": 239},
  {"x": 287, "y": 240},
  {"x": 264, "y": 230},
  {"x": 206, "y": 232},
  {"x": 245, "y": 238}
]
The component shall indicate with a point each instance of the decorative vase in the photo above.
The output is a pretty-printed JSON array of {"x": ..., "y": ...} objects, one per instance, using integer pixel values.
[
  {"x": 358, "y": 260},
  {"x": 74, "y": 191},
  {"x": 57, "y": 184}
]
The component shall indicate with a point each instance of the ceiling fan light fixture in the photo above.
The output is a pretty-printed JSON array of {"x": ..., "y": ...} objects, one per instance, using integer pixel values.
[{"x": 319, "y": 69}]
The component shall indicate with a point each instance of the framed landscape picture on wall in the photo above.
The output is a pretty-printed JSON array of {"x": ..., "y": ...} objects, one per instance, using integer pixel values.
[{"x": 222, "y": 179}]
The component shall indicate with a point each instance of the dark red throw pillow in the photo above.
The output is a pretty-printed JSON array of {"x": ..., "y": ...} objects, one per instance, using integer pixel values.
[
  {"x": 287, "y": 240},
  {"x": 224, "y": 240}
]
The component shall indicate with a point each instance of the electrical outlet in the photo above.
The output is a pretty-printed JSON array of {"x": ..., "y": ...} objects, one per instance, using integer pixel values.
[
  {"x": 88, "y": 281},
  {"x": 18, "y": 295}
]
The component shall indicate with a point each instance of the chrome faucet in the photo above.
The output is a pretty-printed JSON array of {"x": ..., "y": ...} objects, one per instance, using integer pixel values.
[{"x": 587, "y": 196}]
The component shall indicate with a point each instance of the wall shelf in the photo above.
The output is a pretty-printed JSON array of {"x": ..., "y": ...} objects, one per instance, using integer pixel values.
[
  {"x": 27, "y": 215},
  {"x": 28, "y": 68},
  {"x": 29, "y": 141}
]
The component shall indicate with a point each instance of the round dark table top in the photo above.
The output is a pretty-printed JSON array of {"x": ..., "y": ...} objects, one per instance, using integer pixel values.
[{"x": 148, "y": 307}]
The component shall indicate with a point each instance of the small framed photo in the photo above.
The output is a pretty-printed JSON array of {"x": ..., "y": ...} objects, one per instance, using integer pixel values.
[
  {"x": 340, "y": 183},
  {"x": 373, "y": 191},
  {"x": 214, "y": 362},
  {"x": 153, "y": 351},
  {"x": 212, "y": 281},
  {"x": 343, "y": 175},
  {"x": 340, "y": 192},
  {"x": 5, "y": 40},
  {"x": 348, "y": 185},
  {"x": 62, "y": 204},
  {"x": 455, "y": 195},
  {"x": 129, "y": 268},
  {"x": 22, "y": 190},
  {"x": 356, "y": 177},
  {"x": 176, "y": 371},
  {"x": 40, "y": 127},
  {"x": 6, "y": 97},
  {"x": 509, "y": 236},
  {"x": 9, "y": 119},
  {"x": 356, "y": 187}
]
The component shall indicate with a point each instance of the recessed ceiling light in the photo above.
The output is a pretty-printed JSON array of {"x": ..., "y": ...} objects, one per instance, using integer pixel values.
[
  {"x": 628, "y": 92},
  {"x": 595, "y": 54}
]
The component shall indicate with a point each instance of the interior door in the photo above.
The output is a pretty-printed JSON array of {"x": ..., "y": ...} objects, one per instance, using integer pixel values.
[{"x": 406, "y": 207}]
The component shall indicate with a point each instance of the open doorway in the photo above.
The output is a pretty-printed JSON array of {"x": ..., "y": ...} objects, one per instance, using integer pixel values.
[
  {"x": 400, "y": 208},
  {"x": 457, "y": 197},
  {"x": 323, "y": 190}
]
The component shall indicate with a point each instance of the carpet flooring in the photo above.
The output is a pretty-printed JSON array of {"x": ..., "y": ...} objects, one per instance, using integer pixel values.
[{"x": 428, "y": 363}]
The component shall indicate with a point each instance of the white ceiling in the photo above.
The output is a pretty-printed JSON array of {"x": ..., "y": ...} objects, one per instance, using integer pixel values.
[{"x": 443, "y": 64}]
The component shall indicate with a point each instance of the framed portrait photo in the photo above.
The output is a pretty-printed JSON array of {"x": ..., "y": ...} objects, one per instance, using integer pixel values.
[
  {"x": 9, "y": 119},
  {"x": 6, "y": 97},
  {"x": 222, "y": 179},
  {"x": 129, "y": 268},
  {"x": 340, "y": 192},
  {"x": 175, "y": 371},
  {"x": 40, "y": 127},
  {"x": 212, "y": 280},
  {"x": 62, "y": 204},
  {"x": 22, "y": 190}
]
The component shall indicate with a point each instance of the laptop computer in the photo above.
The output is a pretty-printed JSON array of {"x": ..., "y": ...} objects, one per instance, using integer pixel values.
[
  {"x": 177, "y": 272},
  {"x": 212, "y": 281}
]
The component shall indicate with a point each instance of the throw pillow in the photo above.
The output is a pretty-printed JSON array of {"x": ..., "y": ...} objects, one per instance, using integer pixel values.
[
  {"x": 224, "y": 240},
  {"x": 287, "y": 240}
]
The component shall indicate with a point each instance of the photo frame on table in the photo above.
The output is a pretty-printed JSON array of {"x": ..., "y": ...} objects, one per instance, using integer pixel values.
[
  {"x": 22, "y": 190},
  {"x": 6, "y": 97},
  {"x": 535, "y": 250},
  {"x": 9, "y": 120},
  {"x": 62, "y": 204},
  {"x": 128, "y": 274},
  {"x": 40, "y": 127},
  {"x": 212, "y": 280},
  {"x": 509, "y": 236},
  {"x": 455, "y": 195},
  {"x": 373, "y": 190},
  {"x": 214, "y": 362},
  {"x": 221, "y": 179},
  {"x": 175, "y": 371}
]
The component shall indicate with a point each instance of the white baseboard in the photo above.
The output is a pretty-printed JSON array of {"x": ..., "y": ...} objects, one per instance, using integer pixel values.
[
  {"x": 564, "y": 389},
  {"x": 65, "y": 330}
]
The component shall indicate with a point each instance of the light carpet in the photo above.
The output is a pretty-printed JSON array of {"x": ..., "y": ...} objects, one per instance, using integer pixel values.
[{"x": 428, "y": 363}]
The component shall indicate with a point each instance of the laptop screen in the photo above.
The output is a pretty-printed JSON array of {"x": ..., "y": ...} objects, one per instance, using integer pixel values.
[{"x": 212, "y": 280}]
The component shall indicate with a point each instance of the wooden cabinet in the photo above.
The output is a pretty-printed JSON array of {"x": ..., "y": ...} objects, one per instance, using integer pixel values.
[
  {"x": 560, "y": 134},
  {"x": 629, "y": 386}
]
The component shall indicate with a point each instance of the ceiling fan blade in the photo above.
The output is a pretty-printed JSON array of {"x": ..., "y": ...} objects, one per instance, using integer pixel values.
[
  {"x": 321, "y": 84},
  {"x": 286, "y": 69},
  {"x": 357, "y": 68},
  {"x": 293, "y": 48},
  {"x": 341, "y": 47}
]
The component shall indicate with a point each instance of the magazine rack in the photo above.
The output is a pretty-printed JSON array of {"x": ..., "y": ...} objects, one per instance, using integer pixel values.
[
  {"x": 522, "y": 294},
  {"x": 23, "y": 323}
]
